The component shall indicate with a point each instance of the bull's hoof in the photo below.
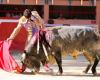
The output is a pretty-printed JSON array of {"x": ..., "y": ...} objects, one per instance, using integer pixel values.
[
  {"x": 85, "y": 72},
  {"x": 34, "y": 73},
  {"x": 58, "y": 73},
  {"x": 94, "y": 74}
]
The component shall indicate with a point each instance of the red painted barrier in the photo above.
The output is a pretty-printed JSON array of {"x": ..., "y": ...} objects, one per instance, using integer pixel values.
[{"x": 6, "y": 28}]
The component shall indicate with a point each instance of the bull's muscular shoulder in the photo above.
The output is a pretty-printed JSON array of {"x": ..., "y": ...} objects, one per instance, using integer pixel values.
[{"x": 22, "y": 19}]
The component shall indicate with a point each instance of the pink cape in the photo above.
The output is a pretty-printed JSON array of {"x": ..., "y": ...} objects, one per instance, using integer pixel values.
[{"x": 7, "y": 61}]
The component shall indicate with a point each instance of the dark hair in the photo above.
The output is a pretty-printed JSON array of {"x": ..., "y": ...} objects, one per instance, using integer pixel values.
[{"x": 27, "y": 13}]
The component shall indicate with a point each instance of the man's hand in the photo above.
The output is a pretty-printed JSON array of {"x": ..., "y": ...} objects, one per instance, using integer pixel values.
[{"x": 9, "y": 39}]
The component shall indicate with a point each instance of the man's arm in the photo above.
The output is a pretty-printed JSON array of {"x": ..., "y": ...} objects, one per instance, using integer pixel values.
[{"x": 15, "y": 32}]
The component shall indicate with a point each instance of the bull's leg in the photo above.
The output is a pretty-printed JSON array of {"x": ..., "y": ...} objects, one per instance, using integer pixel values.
[
  {"x": 87, "y": 68},
  {"x": 90, "y": 59},
  {"x": 58, "y": 57},
  {"x": 35, "y": 62},
  {"x": 96, "y": 61}
]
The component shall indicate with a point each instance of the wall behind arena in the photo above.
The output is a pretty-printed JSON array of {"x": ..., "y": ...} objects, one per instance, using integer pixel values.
[{"x": 61, "y": 2}]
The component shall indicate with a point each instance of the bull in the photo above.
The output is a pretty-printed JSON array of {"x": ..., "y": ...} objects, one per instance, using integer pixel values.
[{"x": 64, "y": 40}]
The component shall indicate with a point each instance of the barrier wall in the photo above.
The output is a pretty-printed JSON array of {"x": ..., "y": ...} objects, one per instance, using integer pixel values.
[{"x": 6, "y": 28}]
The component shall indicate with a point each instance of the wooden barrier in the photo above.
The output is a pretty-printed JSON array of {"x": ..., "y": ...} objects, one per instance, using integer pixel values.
[{"x": 6, "y": 28}]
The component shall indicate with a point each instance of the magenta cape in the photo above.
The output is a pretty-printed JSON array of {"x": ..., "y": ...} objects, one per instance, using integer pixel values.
[{"x": 7, "y": 62}]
